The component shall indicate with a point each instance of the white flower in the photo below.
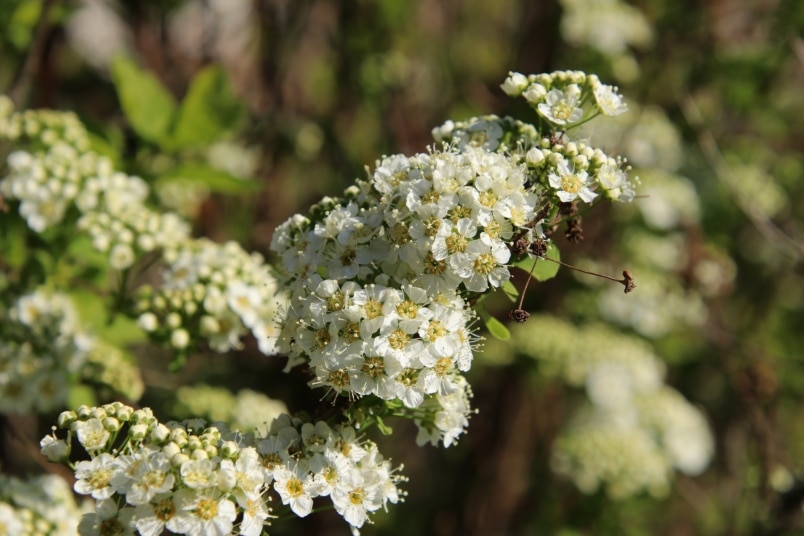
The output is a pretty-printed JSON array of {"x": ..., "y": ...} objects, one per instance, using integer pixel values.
[
  {"x": 482, "y": 264},
  {"x": 10, "y": 521},
  {"x": 150, "y": 518},
  {"x": 91, "y": 434},
  {"x": 296, "y": 488},
  {"x": 246, "y": 301},
  {"x": 150, "y": 477},
  {"x": 202, "y": 513},
  {"x": 561, "y": 107},
  {"x": 354, "y": 497},
  {"x": 148, "y": 321},
  {"x": 613, "y": 180},
  {"x": 94, "y": 477},
  {"x": 255, "y": 512},
  {"x": 107, "y": 519},
  {"x": 570, "y": 185},
  {"x": 609, "y": 101},
  {"x": 121, "y": 256},
  {"x": 199, "y": 474},
  {"x": 54, "y": 449}
]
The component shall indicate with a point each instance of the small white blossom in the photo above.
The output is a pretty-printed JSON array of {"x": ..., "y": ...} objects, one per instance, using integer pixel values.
[
  {"x": 562, "y": 107},
  {"x": 570, "y": 184}
]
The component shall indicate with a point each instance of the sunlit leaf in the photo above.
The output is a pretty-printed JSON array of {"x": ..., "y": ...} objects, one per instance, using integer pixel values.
[
  {"x": 209, "y": 110},
  {"x": 214, "y": 179},
  {"x": 510, "y": 291},
  {"x": 148, "y": 106},
  {"x": 496, "y": 328}
]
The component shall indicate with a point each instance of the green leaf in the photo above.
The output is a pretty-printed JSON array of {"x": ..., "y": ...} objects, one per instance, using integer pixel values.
[
  {"x": 544, "y": 269},
  {"x": 106, "y": 148},
  {"x": 93, "y": 311},
  {"x": 214, "y": 179},
  {"x": 148, "y": 106},
  {"x": 496, "y": 328},
  {"x": 510, "y": 291},
  {"x": 209, "y": 110}
]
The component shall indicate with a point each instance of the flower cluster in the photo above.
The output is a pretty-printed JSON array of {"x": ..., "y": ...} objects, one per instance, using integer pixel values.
[
  {"x": 382, "y": 279},
  {"x": 218, "y": 292},
  {"x": 598, "y": 449},
  {"x": 108, "y": 365},
  {"x": 189, "y": 478},
  {"x": 43, "y": 350},
  {"x": 60, "y": 178},
  {"x": 40, "y": 506},
  {"x": 630, "y": 410},
  {"x": 566, "y": 170},
  {"x": 443, "y": 418},
  {"x": 609, "y": 26}
]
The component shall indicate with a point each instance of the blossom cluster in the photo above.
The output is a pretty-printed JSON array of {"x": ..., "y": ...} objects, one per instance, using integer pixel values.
[
  {"x": 381, "y": 281},
  {"x": 609, "y": 26},
  {"x": 630, "y": 410},
  {"x": 190, "y": 478},
  {"x": 39, "y": 506},
  {"x": 61, "y": 179},
  {"x": 218, "y": 292},
  {"x": 44, "y": 350},
  {"x": 567, "y": 170}
]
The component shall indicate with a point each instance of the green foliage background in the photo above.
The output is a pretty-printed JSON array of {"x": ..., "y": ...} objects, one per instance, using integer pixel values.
[{"x": 322, "y": 88}]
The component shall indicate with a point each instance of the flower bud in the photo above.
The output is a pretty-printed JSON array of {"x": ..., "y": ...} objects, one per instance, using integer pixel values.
[
  {"x": 160, "y": 433},
  {"x": 515, "y": 84},
  {"x": 66, "y": 418},
  {"x": 124, "y": 413},
  {"x": 148, "y": 322},
  {"x": 179, "y": 459},
  {"x": 534, "y": 156},
  {"x": 229, "y": 449},
  {"x": 110, "y": 424},
  {"x": 535, "y": 93},
  {"x": 171, "y": 449},
  {"x": 179, "y": 339},
  {"x": 137, "y": 432}
]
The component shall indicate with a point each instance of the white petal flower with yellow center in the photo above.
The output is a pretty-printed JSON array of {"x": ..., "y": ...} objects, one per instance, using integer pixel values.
[
  {"x": 561, "y": 107},
  {"x": 482, "y": 264},
  {"x": 570, "y": 184},
  {"x": 609, "y": 101}
]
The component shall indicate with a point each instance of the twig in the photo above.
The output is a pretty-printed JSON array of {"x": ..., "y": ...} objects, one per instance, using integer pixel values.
[{"x": 22, "y": 82}]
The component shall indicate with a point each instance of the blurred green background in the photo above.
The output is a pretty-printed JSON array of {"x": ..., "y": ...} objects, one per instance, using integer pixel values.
[{"x": 311, "y": 92}]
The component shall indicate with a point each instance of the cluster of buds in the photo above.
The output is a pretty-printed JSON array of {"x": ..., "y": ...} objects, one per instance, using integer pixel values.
[
  {"x": 212, "y": 292},
  {"x": 59, "y": 178}
]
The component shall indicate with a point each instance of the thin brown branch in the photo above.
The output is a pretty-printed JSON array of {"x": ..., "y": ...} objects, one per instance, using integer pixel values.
[{"x": 22, "y": 81}]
